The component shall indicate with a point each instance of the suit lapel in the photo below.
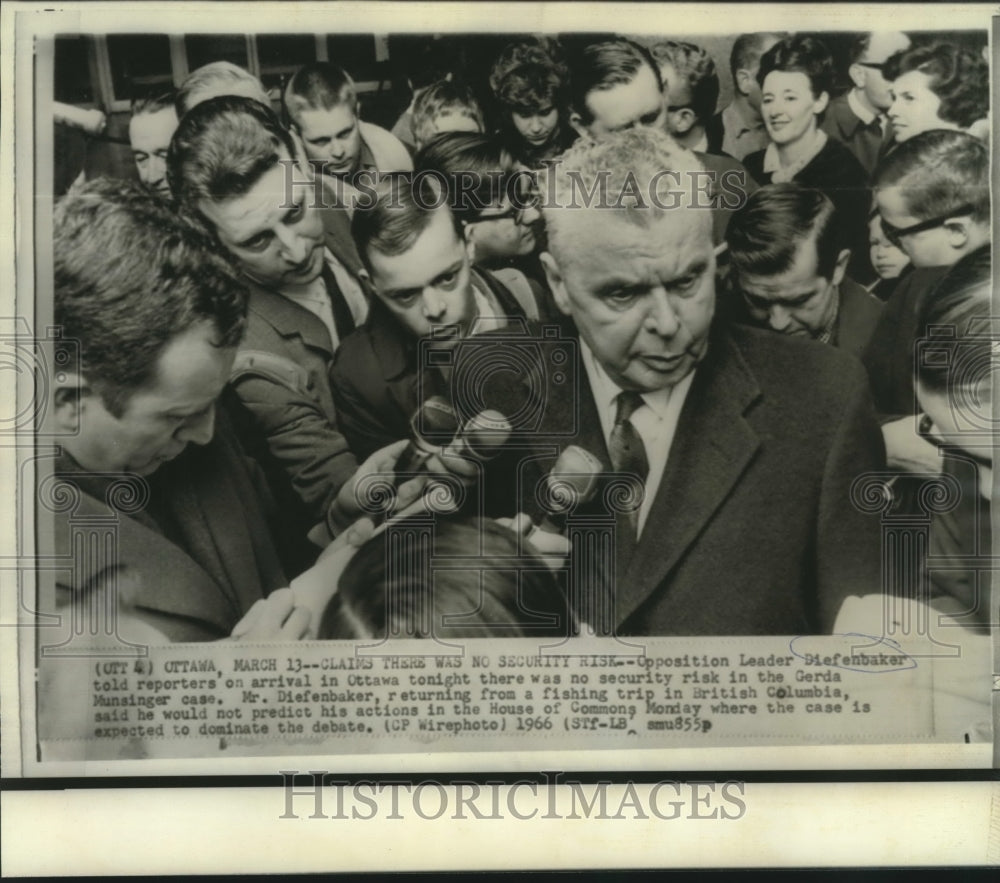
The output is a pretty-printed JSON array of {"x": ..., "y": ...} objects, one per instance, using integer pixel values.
[
  {"x": 153, "y": 572},
  {"x": 289, "y": 319},
  {"x": 712, "y": 447}
]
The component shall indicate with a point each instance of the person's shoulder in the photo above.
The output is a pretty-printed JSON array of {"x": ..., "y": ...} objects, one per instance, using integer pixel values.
[
  {"x": 854, "y": 296},
  {"x": 754, "y": 163},
  {"x": 837, "y": 161},
  {"x": 389, "y": 153},
  {"x": 813, "y": 373},
  {"x": 838, "y": 115}
]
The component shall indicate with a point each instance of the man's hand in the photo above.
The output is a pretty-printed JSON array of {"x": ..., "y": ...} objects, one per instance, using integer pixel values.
[
  {"x": 274, "y": 618},
  {"x": 347, "y": 508},
  {"x": 906, "y": 450},
  {"x": 314, "y": 588}
]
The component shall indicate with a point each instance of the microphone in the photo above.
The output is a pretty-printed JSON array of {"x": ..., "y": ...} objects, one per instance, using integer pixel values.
[
  {"x": 483, "y": 436},
  {"x": 433, "y": 425},
  {"x": 571, "y": 482}
]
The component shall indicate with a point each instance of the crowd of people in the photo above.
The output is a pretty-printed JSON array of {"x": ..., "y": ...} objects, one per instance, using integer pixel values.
[{"x": 735, "y": 313}]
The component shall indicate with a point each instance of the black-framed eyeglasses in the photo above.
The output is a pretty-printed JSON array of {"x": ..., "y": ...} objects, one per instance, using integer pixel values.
[
  {"x": 874, "y": 65},
  {"x": 895, "y": 234},
  {"x": 925, "y": 429},
  {"x": 527, "y": 199},
  {"x": 673, "y": 108}
]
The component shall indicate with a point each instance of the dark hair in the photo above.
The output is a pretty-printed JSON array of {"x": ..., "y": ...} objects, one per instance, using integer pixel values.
[
  {"x": 959, "y": 77},
  {"x": 602, "y": 65},
  {"x": 222, "y": 148},
  {"x": 529, "y": 75},
  {"x": 153, "y": 102},
  {"x": 318, "y": 86},
  {"x": 937, "y": 172},
  {"x": 802, "y": 55},
  {"x": 390, "y": 587},
  {"x": 402, "y": 209},
  {"x": 423, "y": 59},
  {"x": 131, "y": 275},
  {"x": 958, "y": 348},
  {"x": 464, "y": 158},
  {"x": 696, "y": 67},
  {"x": 765, "y": 233},
  {"x": 747, "y": 50}
]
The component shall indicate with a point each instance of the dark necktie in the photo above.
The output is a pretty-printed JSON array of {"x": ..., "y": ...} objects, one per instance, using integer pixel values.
[
  {"x": 625, "y": 447},
  {"x": 342, "y": 317}
]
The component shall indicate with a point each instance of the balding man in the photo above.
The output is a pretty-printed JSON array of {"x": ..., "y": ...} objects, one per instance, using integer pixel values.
[{"x": 746, "y": 443}]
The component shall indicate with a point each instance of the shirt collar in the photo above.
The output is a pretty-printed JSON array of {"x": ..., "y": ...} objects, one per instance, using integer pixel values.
[
  {"x": 606, "y": 391},
  {"x": 860, "y": 111}
]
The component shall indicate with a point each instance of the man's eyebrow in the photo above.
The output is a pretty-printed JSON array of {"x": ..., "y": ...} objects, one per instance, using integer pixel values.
[
  {"x": 454, "y": 268},
  {"x": 343, "y": 133}
]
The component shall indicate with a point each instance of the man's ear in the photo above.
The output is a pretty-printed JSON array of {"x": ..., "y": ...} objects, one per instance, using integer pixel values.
[
  {"x": 959, "y": 231},
  {"x": 68, "y": 401},
  {"x": 821, "y": 103},
  {"x": 684, "y": 120},
  {"x": 469, "y": 234},
  {"x": 840, "y": 268},
  {"x": 744, "y": 81},
  {"x": 857, "y": 74},
  {"x": 554, "y": 276}
]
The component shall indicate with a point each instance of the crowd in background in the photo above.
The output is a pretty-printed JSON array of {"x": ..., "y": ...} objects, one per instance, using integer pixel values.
[{"x": 835, "y": 286}]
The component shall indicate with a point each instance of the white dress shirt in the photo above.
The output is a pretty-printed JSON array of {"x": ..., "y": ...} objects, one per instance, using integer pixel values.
[
  {"x": 315, "y": 298},
  {"x": 655, "y": 421}
]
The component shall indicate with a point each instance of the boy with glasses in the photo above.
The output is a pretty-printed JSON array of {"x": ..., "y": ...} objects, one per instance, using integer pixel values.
[{"x": 932, "y": 193}]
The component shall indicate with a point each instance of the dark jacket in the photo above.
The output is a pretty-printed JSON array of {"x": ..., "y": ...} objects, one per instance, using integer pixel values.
[
  {"x": 857, "y": 317},
  {"x": 377, "y": 385},
  {"x": 753, "y": 529},
  {"x": 836, "y": 172},
  {"x": 281, "y": 378},
  {"x": 191, "y": 549},
  {"x": 867, "y": 141},
  {"x": 889, "y": 354}
]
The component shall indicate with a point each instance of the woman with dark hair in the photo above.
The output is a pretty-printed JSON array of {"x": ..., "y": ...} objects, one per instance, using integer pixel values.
[
  {"x": 796, "y": 76},
  {"x": 456, "y": 578},
  {"x": 531, "y": 86},
  {"x": 955, "y": 364},
  {"x": 939, "y": 86}
]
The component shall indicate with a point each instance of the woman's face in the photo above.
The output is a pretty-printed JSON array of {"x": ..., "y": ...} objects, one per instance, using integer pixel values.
[
  {"x": 537, "y": 126},
  {"x": 914, "y": 107},
  {"x": 789, "y": 107}
]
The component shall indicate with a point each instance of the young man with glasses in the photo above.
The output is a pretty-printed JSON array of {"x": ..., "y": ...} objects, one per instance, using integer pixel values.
[
  {"x": 932, "y": 193},
  {"x": 495, "y": 202}
]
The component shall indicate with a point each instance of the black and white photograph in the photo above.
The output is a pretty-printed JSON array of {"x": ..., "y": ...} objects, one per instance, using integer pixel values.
[{"x": 498, "y": 389}]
